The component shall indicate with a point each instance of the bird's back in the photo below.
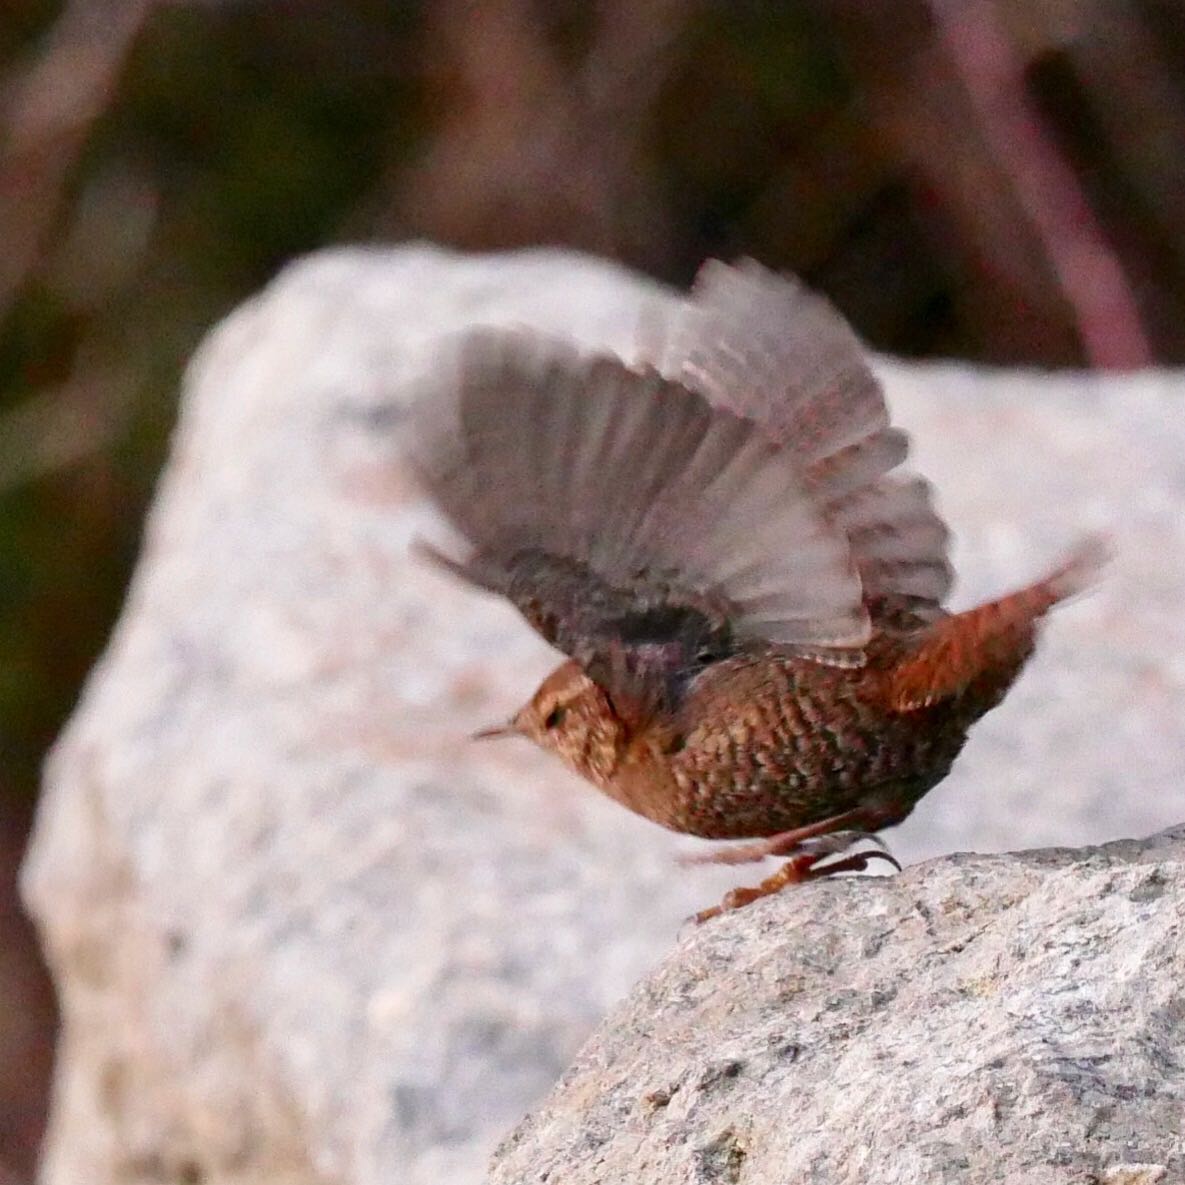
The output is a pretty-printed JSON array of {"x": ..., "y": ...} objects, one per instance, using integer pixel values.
[{"x": 770, "y": 741}]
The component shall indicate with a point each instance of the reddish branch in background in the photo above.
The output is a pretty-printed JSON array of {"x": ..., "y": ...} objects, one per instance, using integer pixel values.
[
  {"x": 49, "y": 115},
  {"x": 1091, "y": 276}
]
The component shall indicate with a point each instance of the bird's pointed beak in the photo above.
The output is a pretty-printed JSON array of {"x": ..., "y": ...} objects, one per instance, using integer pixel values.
[{"x": 496, "y": 730}]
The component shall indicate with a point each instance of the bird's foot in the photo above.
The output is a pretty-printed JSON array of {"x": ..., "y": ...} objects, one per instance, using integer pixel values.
[
  {"x": 855, "y": 825},
  {"x": 801, "y": 868}
]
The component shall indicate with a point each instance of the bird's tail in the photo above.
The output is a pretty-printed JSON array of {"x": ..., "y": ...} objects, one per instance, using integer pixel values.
[{"x": 992, "y": 641}]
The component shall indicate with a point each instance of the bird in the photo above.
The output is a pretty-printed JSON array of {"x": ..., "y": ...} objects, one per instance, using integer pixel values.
[{"x": 747, "y": 589}]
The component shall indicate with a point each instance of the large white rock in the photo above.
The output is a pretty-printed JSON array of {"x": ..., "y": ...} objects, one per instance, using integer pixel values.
[
  {"x": 974, "y": 1021},
  {"x": 303, "y": 931}
]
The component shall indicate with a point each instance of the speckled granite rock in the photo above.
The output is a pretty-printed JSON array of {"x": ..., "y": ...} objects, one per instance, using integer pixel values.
[
  {"x": 974, "y": 1020},
  {"x": 302, "y": 931}
]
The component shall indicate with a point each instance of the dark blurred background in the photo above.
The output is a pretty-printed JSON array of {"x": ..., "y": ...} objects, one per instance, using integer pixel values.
[{"x": 999, "y": 180}]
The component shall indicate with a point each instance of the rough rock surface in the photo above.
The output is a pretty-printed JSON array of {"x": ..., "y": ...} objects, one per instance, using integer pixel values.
[
  {"x": 976, "y": 1019},
  {"x": 303, "y": 932}
]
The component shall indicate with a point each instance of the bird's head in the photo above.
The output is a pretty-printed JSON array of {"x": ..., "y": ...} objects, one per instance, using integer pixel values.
[{"x": 570, "y": 716}]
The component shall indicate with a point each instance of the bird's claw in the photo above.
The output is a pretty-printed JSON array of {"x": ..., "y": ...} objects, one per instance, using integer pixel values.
[{"x": 841, "y": 841}]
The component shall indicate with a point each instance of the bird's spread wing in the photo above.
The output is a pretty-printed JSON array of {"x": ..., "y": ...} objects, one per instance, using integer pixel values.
[
  {"x": 637, "y": 527},
  {"x": 770, "y": 350}
]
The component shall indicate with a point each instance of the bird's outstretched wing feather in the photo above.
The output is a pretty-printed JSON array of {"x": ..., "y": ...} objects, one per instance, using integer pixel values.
[
  {"x": 770, "y": 350},
  {"x": 739, "y": 490},
  {"x": 633, "y": 524}
]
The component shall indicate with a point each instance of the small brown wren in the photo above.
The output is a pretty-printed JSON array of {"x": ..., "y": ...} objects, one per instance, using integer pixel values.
[{"x": 749, "y": 596}]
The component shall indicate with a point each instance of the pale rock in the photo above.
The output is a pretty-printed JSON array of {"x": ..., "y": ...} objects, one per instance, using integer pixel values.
[
  {"x": 973, "y": 1021},
  {"x": 304, "y": 932}
]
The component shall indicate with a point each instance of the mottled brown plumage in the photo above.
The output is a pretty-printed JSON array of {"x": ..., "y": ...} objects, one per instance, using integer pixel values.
[{"x": 751, "y": 600}]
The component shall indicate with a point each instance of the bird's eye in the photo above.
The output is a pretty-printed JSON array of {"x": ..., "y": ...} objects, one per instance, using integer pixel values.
[{"x": 555, "y": 717}]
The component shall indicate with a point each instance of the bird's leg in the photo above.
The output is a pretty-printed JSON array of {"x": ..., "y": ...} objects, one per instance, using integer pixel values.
[
  {"x": 862, "y": 821},
  {"x": 796, "y": 870}
]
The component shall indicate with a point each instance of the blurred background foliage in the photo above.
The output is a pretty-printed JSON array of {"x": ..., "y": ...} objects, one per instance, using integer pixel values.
[{"x": 1001, "y": 180}]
